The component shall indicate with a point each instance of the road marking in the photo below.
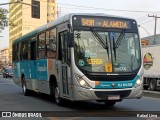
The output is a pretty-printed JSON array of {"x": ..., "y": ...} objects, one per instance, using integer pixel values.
[{"x": 5, "y": 83}]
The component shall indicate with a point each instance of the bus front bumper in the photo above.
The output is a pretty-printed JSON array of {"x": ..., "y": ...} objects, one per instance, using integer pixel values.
[{"x": 82, "y": 94}]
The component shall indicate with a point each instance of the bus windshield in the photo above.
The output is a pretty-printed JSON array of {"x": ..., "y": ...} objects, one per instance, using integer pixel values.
[{"x": 101, "y": 51}]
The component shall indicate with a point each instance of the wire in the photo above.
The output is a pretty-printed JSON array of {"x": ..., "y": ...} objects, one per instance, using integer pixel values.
[
  {"x": 146, "y": 22},
  {"x": 78, "y": 8},
  {"x": 142, "y": 20},
  {"x": 107, "y": 9},
  {"x": 103, "y": 8},
  {"x": 142, "y": 17}
]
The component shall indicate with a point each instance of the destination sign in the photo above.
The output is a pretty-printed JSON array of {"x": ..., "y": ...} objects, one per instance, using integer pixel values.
[{"x": 107, "y": 23}]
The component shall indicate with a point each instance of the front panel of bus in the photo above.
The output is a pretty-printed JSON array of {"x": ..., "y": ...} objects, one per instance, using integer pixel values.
[{"x": 106, "y": 59}]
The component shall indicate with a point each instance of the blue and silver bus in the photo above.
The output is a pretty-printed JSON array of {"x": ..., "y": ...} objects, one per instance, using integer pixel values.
[{"x": 81, "y": 57}]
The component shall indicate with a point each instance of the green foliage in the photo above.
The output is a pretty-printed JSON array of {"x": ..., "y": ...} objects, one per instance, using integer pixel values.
[{"x": 3, "y": 18}]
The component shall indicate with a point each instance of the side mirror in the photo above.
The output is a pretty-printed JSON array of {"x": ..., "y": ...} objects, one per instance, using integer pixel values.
[{"x": 69, "y": 38}]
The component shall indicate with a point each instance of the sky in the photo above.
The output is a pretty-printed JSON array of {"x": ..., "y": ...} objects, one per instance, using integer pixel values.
[
  {"x": 4, "y": 39},
  {"x": 137, "y": 9}
]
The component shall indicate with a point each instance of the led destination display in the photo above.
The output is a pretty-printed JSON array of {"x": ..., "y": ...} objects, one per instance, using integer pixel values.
[
  {"x": 104, "y": 22},
  {"x": 108, "y": 23}
]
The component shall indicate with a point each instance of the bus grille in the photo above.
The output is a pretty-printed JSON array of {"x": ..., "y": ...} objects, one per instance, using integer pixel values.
[
  {"x": 105, "y": 94},
  {"x": 111, "y": 78}
]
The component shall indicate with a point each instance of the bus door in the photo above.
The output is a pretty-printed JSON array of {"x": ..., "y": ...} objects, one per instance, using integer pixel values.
[
  {"x": 33, "y": 64},
  {"x": 63, "y": 71}
]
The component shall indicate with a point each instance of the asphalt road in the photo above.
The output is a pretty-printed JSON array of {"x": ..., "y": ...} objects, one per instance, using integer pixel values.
[{"x": 12, "y": 99}]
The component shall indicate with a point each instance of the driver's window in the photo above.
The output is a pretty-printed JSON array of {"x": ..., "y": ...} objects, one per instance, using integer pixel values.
[{"x": 131, "y": 46}]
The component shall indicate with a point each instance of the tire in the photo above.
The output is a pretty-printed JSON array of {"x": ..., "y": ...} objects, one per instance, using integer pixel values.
[
  {"x": 24, "y": 87},
  {"x": 59, "y": 101},
  {"x": 153, "y": 84},
  {"x": 4, "y": 76},
  {"x": 52, "y": 94},
  {"x": 145, "y": 87},
  {"x": 110, "y": 103}
]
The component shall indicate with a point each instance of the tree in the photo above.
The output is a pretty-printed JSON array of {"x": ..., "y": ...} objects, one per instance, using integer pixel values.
[{"x": 3, "y": 18}]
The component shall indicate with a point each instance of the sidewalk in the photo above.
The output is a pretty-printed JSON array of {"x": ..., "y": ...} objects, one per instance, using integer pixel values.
[{"x": 153, "y": 94}]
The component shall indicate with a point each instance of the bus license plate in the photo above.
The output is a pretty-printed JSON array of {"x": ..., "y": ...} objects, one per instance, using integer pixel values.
[{"x": 113, "y": 97}]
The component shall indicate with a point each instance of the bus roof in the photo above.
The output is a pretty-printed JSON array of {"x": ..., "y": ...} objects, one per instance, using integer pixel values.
[{"x": 61, "y": 20}]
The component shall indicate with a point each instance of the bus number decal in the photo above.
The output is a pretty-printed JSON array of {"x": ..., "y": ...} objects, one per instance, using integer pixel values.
[
  {"x": 108, "y": 67},
  {"x": 95, "y": 61},
  {"x": 81, "y": 62},
  {"x": 87, "y": 22}
]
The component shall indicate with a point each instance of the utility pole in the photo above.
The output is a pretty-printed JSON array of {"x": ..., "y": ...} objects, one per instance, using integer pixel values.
[
  {"x": 58, "y": 12},
  {"x": 155, "y": 27}
]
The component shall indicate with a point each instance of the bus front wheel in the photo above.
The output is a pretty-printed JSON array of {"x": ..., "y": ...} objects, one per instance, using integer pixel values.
[{"x": 58, "y": 99}]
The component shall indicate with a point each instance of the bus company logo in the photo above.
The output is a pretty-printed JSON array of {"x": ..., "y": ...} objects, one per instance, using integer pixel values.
[
  {"x": 147, "y": 61},
  {"x": 113, "y": 85},
  {"x": 41, "y": 69}
]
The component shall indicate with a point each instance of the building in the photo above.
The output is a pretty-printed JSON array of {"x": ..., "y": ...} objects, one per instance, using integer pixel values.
[
  {"x": 23, "y": 19},
  {"x": 51, "y": 10},
  {"x": 150, "y": 40},
  {"x": 4, "y": 59}
]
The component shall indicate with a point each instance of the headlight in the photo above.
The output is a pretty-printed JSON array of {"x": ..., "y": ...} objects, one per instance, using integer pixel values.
[
  {"x": 138, "y": 82},
  {"x": 82, "y": 82}
]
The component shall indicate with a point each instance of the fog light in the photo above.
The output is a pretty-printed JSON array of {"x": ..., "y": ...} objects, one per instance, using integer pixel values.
[{"x": 82, "y": 82}]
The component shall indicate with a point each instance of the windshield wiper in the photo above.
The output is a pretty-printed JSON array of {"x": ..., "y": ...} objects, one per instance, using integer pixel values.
[
  {"x": 118, "y": 42},
  {"x": 114, "y": 48},
  {"x": 101, "y": 41},
  {"x": 120, "y": 38}
]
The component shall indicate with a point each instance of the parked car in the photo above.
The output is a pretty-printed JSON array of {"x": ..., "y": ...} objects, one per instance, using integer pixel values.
[{"x": 7, "y": 72}]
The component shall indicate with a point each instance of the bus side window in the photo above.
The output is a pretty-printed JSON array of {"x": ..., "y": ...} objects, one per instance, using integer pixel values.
[
  {"x": 62, "y": 47},
  {"x": 20, "y": 51},
  {"x": 51, "y": 43},
  {"x": 14, "y": 56},
  {"x": 32, "y": 49},
  {"x": 41, "y": 46},
  {"x": 25, "y": 51},
  {"x": 17, "y": 52}
]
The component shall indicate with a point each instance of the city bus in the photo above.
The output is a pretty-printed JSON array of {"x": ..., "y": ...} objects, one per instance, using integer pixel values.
[{"x": 81, "y": 57}]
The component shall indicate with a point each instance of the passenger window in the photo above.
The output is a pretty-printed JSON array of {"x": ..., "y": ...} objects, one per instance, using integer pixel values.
[
  {"x": 51, "y": 43},
  {"x": 25, "y": 51},
  {"x": 41, "y": 45}
]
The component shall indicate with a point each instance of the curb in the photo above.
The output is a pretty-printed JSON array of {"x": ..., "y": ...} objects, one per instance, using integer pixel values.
[{"x": 152, "y": 94}]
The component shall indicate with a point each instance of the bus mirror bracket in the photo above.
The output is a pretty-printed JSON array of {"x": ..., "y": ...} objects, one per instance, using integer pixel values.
[{"x": 69, "y": 38}]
